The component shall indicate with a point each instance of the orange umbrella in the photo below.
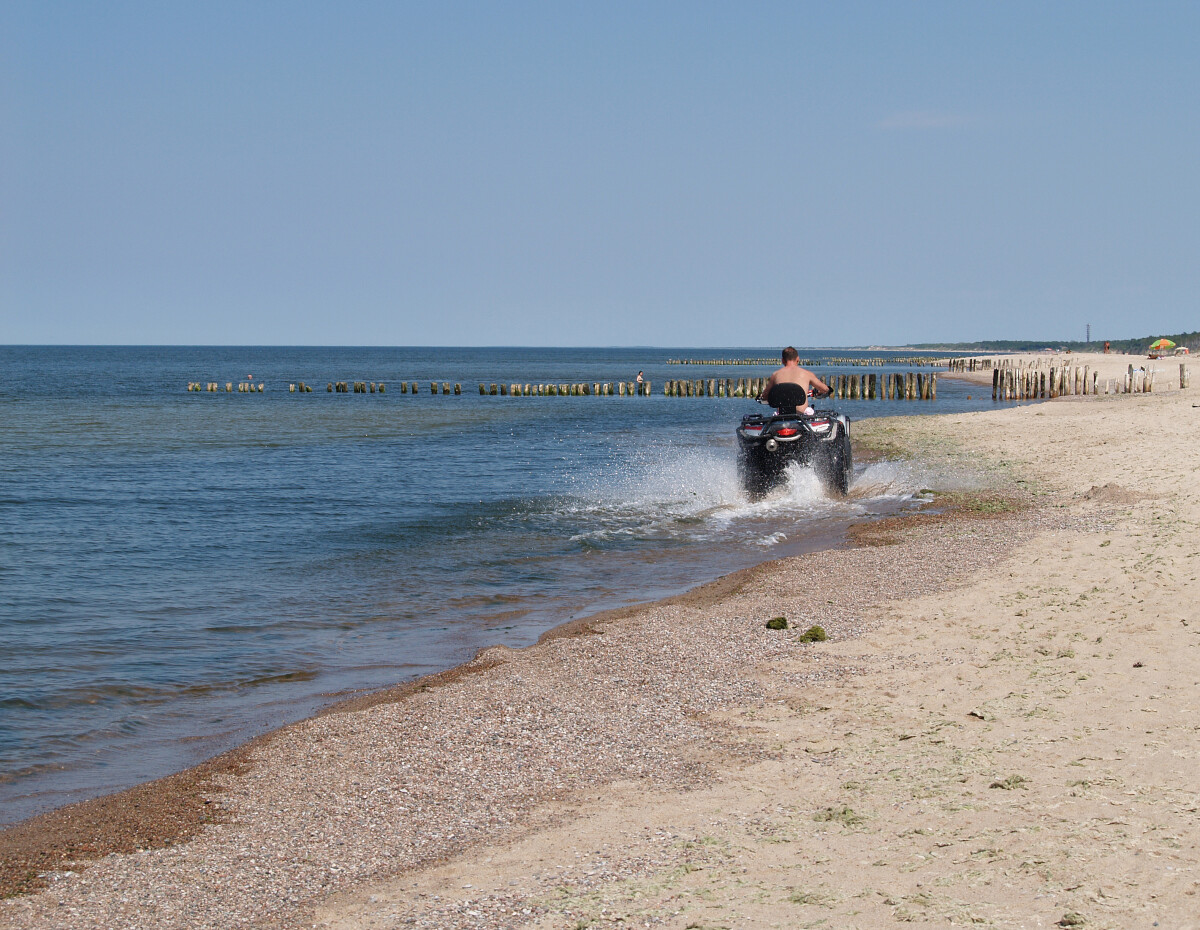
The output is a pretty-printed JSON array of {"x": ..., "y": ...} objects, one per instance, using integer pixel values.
[{"x": 1162, "y": 344}]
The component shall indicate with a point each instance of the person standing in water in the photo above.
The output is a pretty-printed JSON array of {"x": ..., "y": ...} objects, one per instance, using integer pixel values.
[{"x": 791, "y": 399}]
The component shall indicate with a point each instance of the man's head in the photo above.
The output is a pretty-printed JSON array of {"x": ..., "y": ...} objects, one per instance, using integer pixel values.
[{"x": 790, "y": 355}]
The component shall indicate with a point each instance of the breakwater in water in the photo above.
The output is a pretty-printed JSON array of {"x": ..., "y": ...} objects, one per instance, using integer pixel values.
[{"x": 893, "y": 386}]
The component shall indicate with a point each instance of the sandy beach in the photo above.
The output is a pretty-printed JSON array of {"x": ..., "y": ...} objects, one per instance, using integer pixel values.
[{"x": 1001, "y": 729}]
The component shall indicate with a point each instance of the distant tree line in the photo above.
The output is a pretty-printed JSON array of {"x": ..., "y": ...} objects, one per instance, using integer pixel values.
[{"x": 1130, "y": 346}]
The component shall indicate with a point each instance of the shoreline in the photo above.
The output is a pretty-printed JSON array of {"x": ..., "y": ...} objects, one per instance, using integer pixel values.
[
  {"x": 172, "y": 809},
  {"x": 183, "y": 803},
  {"x": 359, "y": 697},
  {"x": 992, "y": 675},
  {"x": 90, "y": 828}
]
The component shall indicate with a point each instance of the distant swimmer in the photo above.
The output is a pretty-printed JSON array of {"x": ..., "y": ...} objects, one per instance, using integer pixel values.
[
  {"x": 790, "y": 400},
  {"x": 639, "y": 378}
]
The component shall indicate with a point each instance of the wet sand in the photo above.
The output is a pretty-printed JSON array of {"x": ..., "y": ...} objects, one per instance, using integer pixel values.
[{"x": 1000, "y": 728}]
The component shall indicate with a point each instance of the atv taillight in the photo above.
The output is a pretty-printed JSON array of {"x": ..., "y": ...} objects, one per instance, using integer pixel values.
[
  {"x": 819, "y": 426},
  {"x": 786, "y": 431},
  {"x": 753, "y": 429}
]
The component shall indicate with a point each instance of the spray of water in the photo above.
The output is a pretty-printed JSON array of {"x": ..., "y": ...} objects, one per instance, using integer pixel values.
[{"x": 692, "y": 494}]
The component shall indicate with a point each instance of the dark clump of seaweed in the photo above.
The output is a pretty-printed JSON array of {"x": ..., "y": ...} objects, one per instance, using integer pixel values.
[{"x": 814, "y": 634}]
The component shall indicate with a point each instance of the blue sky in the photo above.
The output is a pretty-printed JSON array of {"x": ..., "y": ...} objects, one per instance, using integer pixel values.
[{"x": 597, "y": 173}]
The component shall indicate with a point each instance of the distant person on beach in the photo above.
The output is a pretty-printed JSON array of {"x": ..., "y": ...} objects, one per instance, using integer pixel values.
[{"x": 789, "y": 400}]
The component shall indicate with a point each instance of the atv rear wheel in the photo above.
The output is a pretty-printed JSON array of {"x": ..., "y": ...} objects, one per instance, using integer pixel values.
[
  {"x": 835, "y": 466},
  {"x": 758, "y": 472}
]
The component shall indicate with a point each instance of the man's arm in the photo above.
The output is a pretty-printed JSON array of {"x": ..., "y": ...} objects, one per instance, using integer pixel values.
[
  {"x": 815, "y": 384},
  {"x": 767, "y": 387}
]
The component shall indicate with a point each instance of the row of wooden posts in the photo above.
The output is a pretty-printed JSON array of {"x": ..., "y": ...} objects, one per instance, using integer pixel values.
[
  {"x": 333, "y": 387},
  {"x": 379, "y": 387},
  {"x": 1008, "y": 383},
  {"x": 1141, "y": 381},
  {"x": 731, "y": 361},
  {"x": 243, "y": 387},
  {"x": 973, "y": 364},
  {"x": 1028, "y": 384},
  {"x": 621, "y": 388},
  {"x": 895, "y": 386},
  {"x": 577, "y": 389},
  {"x": 1067, "y": 380},
  {"x": 360, "y": 387},
  {"x": 1020, "y": 364},
  {"x": 919, "y": 361}
]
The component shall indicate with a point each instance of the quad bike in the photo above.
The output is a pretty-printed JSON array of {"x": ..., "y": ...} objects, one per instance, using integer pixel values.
[{"x": 767, "y": 444}]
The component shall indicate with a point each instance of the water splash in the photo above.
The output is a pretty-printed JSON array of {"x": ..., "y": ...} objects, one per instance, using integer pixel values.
[{"x": 667, "y": 493}]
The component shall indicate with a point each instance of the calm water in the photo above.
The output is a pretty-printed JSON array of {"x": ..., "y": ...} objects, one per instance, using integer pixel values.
[{"x": 181, "y": 571}]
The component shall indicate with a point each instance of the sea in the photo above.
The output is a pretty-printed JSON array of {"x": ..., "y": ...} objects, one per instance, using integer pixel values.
[{"x": 181, "y": 571}]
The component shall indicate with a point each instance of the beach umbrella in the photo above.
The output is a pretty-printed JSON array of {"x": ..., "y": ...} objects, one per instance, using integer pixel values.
[{"x": 1162, "y": 344}]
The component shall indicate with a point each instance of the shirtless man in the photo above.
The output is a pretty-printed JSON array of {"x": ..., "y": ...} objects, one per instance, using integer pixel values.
[{"x": 792, "y": 373}]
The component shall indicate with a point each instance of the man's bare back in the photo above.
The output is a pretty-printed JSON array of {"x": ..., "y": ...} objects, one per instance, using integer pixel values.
[{"x": 792, "y": 373}]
